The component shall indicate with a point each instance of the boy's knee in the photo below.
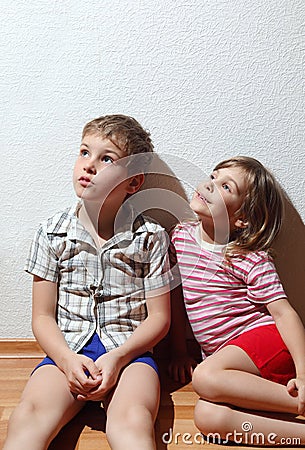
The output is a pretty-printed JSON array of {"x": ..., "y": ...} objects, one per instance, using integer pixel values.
[
  {"x": 27, "y": 420},
  {"x": 22, "y": 413},
  {"x": 21, "y": 424},
  {"x": 136, "y": 421}
]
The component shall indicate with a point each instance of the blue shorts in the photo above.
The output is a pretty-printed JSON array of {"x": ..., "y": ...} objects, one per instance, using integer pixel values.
[{"x": 94, "y": 349}]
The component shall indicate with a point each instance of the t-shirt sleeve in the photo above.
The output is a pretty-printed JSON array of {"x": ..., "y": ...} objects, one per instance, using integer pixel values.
[
  {"x": 42, "y": 260},
  {"x": 157, "y": 271},
  {"x": 264, "y": 285}
]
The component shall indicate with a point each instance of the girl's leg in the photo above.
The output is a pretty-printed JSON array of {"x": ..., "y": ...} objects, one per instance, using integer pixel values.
[
  {"x": 132, "y": 409},
  {"x": 230, "y": 376},
  {"x": 217, "y": 421},
  {"x": 46, "y": 405}
]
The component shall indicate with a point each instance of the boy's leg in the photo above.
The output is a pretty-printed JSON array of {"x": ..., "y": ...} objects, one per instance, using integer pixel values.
[
  {"x": 132, "y": 409},
  {"x": 46, "y": 405}
]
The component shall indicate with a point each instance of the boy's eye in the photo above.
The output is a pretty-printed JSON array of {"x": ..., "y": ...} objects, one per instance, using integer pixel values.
[
  {"x": 226, "y": 187},
  {"x": 107, "y": 159},
  {"x": 212, "y": 177},
  {"x": 84, "y": 152}
]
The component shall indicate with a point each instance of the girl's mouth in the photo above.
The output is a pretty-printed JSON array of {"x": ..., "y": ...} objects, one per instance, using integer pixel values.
[{"x": 201, "y": 197}]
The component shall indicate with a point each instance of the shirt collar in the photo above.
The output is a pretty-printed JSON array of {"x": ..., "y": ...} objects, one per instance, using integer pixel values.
[
  {"x": 61, "y": 222},
  {"x": 211, "y": 247},
  {"x": 127, "y": 224}
]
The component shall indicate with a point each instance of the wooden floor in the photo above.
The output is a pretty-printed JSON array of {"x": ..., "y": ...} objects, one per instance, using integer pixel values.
[{"x": 174, "y": 425}]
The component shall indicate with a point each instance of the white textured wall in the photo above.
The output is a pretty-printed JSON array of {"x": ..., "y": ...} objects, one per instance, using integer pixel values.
[{"x": 209, "y": 78}]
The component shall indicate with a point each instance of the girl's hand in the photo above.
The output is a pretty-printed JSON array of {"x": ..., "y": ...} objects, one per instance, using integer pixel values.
[
  {"x": 109, "y": 366},
  {"x": 82, "y": 373},
  {"x": 181, "y": 367},
  {"x": 296, "y": 388}
]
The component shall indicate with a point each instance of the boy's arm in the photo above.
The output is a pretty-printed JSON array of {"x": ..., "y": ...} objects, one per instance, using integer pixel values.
[
  {"x": 151, "y": 330},
  {"x": 51, "y": 340},
  {"x": 144, "y": 337},
  {"x": 292, "y": 332}
]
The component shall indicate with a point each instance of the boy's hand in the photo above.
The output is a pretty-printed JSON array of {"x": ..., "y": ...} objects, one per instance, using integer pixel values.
[
  {"x": 109, "y": 367},
  {"x": 82, "y": 373},
  {"x": 296, "y": 388},
  {"x": 181, "y": 367}
]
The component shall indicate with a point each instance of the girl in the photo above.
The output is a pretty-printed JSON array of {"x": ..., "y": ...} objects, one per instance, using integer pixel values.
[{"x": 252, "y": 340}]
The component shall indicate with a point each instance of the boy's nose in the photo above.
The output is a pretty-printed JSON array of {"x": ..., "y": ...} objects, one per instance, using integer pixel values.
[{"x": 89, "y": 167}]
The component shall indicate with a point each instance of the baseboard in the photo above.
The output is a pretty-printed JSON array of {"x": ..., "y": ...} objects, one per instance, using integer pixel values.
[
  {"x": 19, "y": 348},
  {"x": 29, "y": 348}
]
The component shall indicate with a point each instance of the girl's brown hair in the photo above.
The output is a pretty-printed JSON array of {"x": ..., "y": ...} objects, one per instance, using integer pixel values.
[{"x": 262, "y": 208}]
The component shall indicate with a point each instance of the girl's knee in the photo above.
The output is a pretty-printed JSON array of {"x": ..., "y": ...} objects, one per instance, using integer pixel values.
[
  {"x": 205, "y": 382},
  {"x": 212, "y": 419}
]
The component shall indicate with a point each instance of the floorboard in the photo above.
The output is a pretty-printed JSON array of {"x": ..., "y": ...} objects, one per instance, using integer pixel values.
[{"x": 174, "y": 425}]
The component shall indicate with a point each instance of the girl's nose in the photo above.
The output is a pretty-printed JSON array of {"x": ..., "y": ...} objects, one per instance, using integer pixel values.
[{"x": 208, "y": 184}]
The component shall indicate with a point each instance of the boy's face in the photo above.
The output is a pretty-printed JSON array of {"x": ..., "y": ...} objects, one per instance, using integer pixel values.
[
  {"x": 221, "y": 196},
  {"x": 100, "y": 172}
]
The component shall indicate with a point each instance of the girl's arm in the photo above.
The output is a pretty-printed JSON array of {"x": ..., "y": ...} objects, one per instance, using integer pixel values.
[
  {"x": 51, "y": 339},
  {"x": 181, "y": 364},
  {"x": 292, "y": 332},
  {"x": 145, "y": 336}
]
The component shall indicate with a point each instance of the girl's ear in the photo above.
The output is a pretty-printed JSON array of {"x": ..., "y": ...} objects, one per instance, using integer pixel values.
[
  {"x": 135, "y": 183},
  {"x": 241, "y": 223}
]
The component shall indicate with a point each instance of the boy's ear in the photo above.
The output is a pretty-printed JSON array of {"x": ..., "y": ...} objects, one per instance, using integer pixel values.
[
  {"x": 135, "y": 183},
  {"x": 241, "y": 223}
]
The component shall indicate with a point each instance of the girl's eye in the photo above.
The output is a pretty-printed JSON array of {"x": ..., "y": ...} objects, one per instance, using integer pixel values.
[
  {"x": 107, "y": 159},
  {"x": 212, "y": 177},
  {"x": 226, "y": 187}
]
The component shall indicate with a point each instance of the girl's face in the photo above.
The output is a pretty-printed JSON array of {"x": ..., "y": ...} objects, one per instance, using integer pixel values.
[{"x": 220, "y": 197}]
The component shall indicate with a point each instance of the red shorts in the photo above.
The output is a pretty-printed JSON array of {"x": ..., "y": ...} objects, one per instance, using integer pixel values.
[{"x": 269, "y": 353}]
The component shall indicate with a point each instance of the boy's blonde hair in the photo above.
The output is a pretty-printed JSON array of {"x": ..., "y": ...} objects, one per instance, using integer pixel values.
[
  {"x": 123, "y": 131},
  {"x": 262, "y": 208}
]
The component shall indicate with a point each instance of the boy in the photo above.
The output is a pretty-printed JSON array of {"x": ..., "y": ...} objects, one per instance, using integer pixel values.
[{"x": 100, "y": 298}]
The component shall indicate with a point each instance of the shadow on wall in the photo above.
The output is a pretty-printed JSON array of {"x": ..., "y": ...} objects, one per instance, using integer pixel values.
[
  {"x": 165, "y": 199},
  {"x": 290, "y": 258}
]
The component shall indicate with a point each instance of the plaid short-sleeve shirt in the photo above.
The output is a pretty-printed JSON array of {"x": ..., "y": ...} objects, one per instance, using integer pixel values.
[{"x": 100, "y": 290}]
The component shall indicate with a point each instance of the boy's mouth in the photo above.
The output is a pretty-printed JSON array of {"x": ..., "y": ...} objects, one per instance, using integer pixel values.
[{"x": 84, "y": 181}]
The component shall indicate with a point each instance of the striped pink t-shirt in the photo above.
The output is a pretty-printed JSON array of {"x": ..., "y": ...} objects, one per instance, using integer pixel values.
[{"x": 223, "y": 300}]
